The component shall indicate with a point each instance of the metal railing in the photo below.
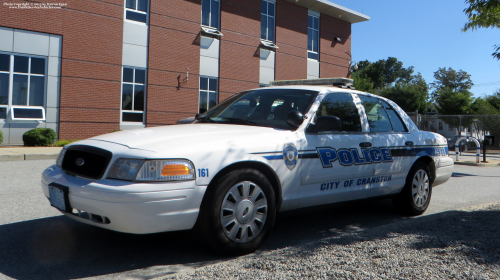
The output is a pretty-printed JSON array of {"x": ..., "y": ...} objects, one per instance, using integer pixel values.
[{"x": 476, "y": 126}]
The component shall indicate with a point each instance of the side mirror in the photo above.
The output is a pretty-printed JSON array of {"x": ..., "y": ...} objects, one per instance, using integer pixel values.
[
  {"x": 294, "y": 118},
  {"x": 328, "y": 123}
]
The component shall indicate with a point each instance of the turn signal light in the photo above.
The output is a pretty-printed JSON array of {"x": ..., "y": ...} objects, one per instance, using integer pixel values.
[{"x": 175, "y": 170}]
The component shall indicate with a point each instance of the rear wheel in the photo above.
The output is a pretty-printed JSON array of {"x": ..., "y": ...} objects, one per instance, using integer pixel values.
[
  {"x": 416, "y": 194},
  {"x": 238, "y": 212}
]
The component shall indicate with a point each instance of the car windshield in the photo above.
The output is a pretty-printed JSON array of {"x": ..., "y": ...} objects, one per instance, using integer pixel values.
[{"x": 265, "y": 107}]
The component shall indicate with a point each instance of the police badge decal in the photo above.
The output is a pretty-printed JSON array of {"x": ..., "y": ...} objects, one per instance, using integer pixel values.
[{"x": 290, "y": 155}]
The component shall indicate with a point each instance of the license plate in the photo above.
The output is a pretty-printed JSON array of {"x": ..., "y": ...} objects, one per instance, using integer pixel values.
[{"x": 57, "y": 198}]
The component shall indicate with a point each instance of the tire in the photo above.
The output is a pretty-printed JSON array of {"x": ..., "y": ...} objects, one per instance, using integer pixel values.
[
  {"x": 415, "y": 196},
  {"x": 238, "y": 212}
]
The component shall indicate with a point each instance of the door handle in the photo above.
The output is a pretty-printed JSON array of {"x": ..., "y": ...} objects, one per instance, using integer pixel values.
[
  {"x": 365, "y": 144},
  {"x": 409, "y": 143}
]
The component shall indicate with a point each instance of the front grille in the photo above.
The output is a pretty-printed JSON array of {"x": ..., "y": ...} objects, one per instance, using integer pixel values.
[{"x": 86, "y": 161}]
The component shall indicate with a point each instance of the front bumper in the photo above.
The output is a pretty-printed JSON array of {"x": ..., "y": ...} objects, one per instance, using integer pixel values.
[
  {"x": 129, "y": 207},
  {"x": 444, "y": 169}
]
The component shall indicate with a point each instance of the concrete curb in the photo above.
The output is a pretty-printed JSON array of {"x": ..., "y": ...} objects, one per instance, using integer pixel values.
[
  {"x": 29, "y": 153},
  {"x": 480, "y": 164},
  {"x": 20, "y": 157},
  {"x": 11, "y": 157}
]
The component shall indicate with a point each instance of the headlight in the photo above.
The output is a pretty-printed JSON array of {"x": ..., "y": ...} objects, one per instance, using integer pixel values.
[
  {"x": 60, "y": 158},
  {"x": 166, "y": 170},
  {"x": 151, "y": 170},
  {"x": 125, "y": 169}
]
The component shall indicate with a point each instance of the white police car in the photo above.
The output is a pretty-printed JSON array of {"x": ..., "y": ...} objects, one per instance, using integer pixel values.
[{"x": 259, "y": 152}]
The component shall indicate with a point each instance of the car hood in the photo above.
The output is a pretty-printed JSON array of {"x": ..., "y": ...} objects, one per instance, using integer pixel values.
[{"x": 175, "y": 137}]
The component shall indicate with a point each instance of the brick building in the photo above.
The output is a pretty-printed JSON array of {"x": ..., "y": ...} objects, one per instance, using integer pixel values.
[{"x": 87, "y": 67}]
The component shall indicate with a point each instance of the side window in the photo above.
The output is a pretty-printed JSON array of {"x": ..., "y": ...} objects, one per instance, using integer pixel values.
[
  {"x": 208, "y": 94},
  {"x": 341, "y": 106},
  {"x": 397, "y": 123},
  {"x": 313, "y": 37},
  {"x": 267, "y": 23},
  {"x": 136, "y": 10},
  {"x": 376, "y": 114},
  {"x": 133, "y": 94},
  {"x": 210, "y": 10}
]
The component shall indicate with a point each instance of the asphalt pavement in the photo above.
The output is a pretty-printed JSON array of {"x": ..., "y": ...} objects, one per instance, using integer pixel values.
[{"x": 37, "y": 242}]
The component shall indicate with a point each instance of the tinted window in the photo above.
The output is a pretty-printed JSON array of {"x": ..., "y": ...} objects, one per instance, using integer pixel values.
[
  {"x": 4, "y": 62},
  {"x": 21, "y": 64},
  {"x": 4, "y": 88},
  {"x": 376, "y": 114},
  {"x": 131, "y": 15},
  {"x": 397, "y": 123},
  {"x": 342, "y": 106},
  {"x": 28, "y": 113},
  {"x": 37, "y": 66}
]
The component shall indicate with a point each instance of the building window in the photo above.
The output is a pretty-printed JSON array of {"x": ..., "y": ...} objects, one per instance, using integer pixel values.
[
  {"x": 267, "y": 21},
  {"x": 136, "y": 10},
  {"x": 208, "y": 94},
  {"x": 26, "y": 97},
  {"x": 210, "y": 11},
  {"x": 313, "y": 37},
  {"x": 133, "y": 94}
]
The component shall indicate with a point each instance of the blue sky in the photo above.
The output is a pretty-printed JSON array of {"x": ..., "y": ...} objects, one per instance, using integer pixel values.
[{"x": 426, "y": 34}]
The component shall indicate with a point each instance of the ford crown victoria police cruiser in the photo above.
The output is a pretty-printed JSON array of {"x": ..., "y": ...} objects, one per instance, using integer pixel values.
[{"x": 259, "y": 152}]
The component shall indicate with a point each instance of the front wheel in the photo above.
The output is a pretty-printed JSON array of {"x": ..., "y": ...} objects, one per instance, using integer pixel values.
[
  {"x": 238, "y": 212},
  {"x": 416, "y": 194}
]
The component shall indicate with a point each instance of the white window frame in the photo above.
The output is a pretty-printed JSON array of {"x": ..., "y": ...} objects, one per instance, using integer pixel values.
[
  {"x": 266, "y": 40},
  {"x": 12, "y": 113},
  {"x": 137, "y": 11},
  {"x": 133, "y": 83},
  {"x": 318, "y": 39},
  {"x": 208, "y": 92},
  {"x": 208, "y": 28},
  {"x": 10, "y": 107}
]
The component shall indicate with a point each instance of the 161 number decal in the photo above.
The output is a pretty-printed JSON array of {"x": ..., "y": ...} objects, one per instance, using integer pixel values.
[{"x": 203, "y": 172}]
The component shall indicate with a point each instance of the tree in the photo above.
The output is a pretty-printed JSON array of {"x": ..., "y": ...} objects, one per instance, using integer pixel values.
[
  {"x": 449, "y": 79},
  {"x": 454, "y": 102},
  {"x": 410, "y": 96},
  {"x": 488, "y": 106},
  {"x": 362, "y": 83},
  {"x": 483, "y": 14},
  {"x": 384, "y": 72}
]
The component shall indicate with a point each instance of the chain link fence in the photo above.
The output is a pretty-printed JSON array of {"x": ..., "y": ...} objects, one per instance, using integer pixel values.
[{"x": 452, "y": 126}]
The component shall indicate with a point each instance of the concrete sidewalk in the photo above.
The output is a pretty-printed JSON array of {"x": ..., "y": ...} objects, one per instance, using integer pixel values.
[
  {"x": 470, "y": 159},
  {"x": 28, "y": 153}
]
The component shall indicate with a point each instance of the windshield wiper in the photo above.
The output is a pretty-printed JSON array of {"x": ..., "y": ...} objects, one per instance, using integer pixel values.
[
  {"x": 240, "y": 120},
  {"x": 206, "y": 119}
]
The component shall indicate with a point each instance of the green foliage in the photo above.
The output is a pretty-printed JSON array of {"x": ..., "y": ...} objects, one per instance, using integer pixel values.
[
  {"x": 487, "y": 106},
  {"x": 449, "y": 79},
  {"x": 410, "y": 96},
  {"x": 62, "y": 143},
  {"x": 39, "y": 137},
  {"x": 362, "y": 83},
  {"x": 452, "y": 102},
  {"x": 384, "y": 72},
  {"x": 1, "y": 137},
  {"x": 483, "y": 14}
]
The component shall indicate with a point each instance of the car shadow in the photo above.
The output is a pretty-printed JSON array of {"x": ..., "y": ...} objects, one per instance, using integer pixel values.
[{"x": 60, "y": 248}]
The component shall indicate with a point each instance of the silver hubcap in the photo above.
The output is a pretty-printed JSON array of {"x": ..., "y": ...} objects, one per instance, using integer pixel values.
[
  {"x": 420, "y": 188},
  {"x": 243, "y": 212}
]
